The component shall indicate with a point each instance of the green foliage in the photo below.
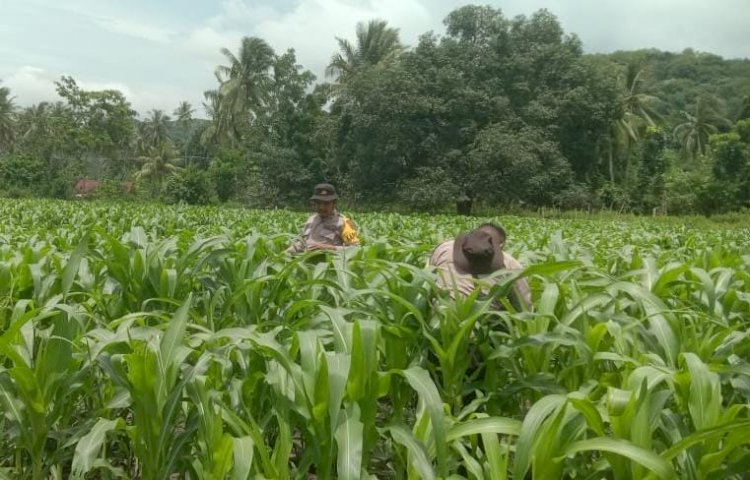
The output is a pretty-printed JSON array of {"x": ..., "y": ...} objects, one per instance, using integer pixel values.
[
  {"x": 191, "y": 186},
  {"x": 112, "y": 190},
  {"x": 158, "y": 341},
  {"x": 376, "y": 43},
  {"x": 686, "y": 189},
  {"x": 497, "y": 112},
  {"x": 521, "y": 166},
  {"x": 7, "y": 120},
  {"x": 431, "y": 189},
  {"x": 226, "y": 171},
  {"x": 21, "y": 173}
]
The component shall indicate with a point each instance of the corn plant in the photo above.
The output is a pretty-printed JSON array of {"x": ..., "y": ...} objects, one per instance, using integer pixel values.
[{"x": 152, "y": 342}]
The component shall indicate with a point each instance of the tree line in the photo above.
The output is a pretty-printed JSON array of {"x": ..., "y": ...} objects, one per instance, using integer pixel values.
[{"x": 496, "y": 112}]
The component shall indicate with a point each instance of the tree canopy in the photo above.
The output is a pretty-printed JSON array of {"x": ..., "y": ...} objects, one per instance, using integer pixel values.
[{"x": 497, "y": 112}]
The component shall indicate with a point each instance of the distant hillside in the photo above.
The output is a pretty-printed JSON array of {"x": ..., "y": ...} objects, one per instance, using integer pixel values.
[
  {"x": 679, "y": 78},
  {"x": 182, "y": 132}
]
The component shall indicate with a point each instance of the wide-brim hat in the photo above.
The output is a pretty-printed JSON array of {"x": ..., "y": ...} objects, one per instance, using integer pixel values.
[
  {"x": 477, "y": 253},
  {"x": 324, "y": 192}
]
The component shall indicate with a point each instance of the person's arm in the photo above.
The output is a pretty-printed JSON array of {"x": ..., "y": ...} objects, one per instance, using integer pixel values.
[
  {"x": 297, "y": 246},
  {"x": 300, "y": 245},
  {"x": 349, "y": 233},
  {"x": 520, "y": 295}
]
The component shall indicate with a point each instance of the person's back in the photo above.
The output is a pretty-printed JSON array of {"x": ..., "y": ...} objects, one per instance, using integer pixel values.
[{"x": 469, "y": 262}]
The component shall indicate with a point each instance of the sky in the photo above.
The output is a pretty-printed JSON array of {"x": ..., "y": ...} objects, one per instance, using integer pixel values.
[{"x": 161, "y": 52}]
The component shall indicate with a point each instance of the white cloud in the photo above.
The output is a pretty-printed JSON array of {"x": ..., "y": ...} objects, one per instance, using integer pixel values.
[
  {"x": 30, "y": 85},
  {"x": 108, "y": 17},
  {"x": 205, "y": 42},
  {"x": 310, "y": 27},
  {"x": 133, "y": 28},
  {"x": 242, "y": 12}
]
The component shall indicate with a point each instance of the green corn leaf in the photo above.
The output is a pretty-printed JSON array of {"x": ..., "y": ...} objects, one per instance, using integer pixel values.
[
  {"x": 90, "y": 445},
  {"x": 478, "y": 426},
  {"x": 243, "y": 457},
  {"x": 704, "y": 402},
  {"x": 704, "y": 436},
  {"x": 420, "y": 381},
  {"x": 338, "y": 372},
  {"x": 349, "y": 441},
  {"x": 647, "y": 458},
  {"x": 654, "y": 310},
  {"x": 532, "y": 422},
  {"x": 72, "y": 266},
  {"x": 172, "y": 340},
  {"x": 469, "y": 462},
  {"x": 550, "y": 296},
  {"x": 418, "y": 458},
  {"x": 496, "y": 461}
]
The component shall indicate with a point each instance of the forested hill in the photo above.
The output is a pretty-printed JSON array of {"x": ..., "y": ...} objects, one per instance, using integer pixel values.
[
  {"x": 679, "y": 78},
  {"x": 496, "y": 112}
]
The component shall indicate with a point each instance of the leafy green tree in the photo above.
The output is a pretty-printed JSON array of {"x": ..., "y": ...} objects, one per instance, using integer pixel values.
[
  {"x": 586, "y": 116},
  {"x": 21, "y": 174},
  {"x": 182, "y": 129},
  {"x": 382, "y": 126},
  {"x": 685, "y": 185},
  {"x": 97, "y": 126},
  {"x": 731, "y": 168},
  {"x": 282, "y": 139},
  {"x": 50, "y": 132},
  {"x": 474, "y": 25},
  {"x": 228, "y": 173},
  {"x": 191, "y": 185},
  {"x": 105, "y": 120},
  {"x": 515, "y": 167},
  {"x": 745, "y": 108}
]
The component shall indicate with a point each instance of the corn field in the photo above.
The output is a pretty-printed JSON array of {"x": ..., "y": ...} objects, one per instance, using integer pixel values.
[{"x": 154, "y": 342}]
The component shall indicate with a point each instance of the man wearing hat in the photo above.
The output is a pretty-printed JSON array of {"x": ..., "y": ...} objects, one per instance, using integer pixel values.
[
  {"x": 327, "y": 229},
  {"x": 462, "y": 262}
]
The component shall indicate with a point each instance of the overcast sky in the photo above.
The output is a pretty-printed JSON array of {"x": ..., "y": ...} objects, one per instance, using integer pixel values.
[{"x": 160, "y": 52}]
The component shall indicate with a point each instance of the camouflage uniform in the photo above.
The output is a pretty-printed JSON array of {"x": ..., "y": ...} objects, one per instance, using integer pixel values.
[{"x": 335, "y": 230}]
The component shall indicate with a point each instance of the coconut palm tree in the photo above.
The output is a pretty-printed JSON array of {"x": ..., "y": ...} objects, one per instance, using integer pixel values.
[
  {"x": 158, "y": 162},
  {"x": 224, "y": 121},
  {"x": 34, "y": 121},
  {"x": 376, "y": 42},
  {"x": 7, "y": 119},
  {"x": 244, "y": 82},
  {"x": 243, "y": 90},
  {"x": 154, "y": 129},
  {"x": 706, "y": 119},
  {"x": 184, "y": 112},
  {"x": 639, "y": 111}
]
